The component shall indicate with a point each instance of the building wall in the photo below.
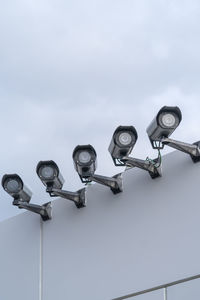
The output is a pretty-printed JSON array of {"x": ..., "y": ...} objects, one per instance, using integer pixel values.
[{"x": 119, "y": 244}]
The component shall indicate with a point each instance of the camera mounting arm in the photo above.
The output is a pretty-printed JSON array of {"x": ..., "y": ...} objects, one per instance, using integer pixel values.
[
  {"x": 152, "y": 166},
  {"x": 45, "y": 210},
  {"x": 115, "y": 182},
  {"x": 78, "y": 197},
  {"x": 192, "y": 149}
]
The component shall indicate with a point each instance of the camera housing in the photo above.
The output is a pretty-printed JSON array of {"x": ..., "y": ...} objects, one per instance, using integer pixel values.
[
  {"x": 14, "y": 186},
  {"x": 163, "y": 125},
  {"x": 122, "y": 143},
  {"x": 85, "y": 161},
  {"x": 49, "y": 174}
]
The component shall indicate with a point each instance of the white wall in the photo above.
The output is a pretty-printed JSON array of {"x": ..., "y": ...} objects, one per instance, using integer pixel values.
[
  {"x": 118, "y": 244},
  {"x": 20, "y": 258}
]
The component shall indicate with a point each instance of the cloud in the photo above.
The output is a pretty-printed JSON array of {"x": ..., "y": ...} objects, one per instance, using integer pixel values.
[{"x": 72, "y": 72}]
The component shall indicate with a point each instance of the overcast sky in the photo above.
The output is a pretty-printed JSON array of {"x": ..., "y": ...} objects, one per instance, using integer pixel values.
[{"x": 72, "y": 71}]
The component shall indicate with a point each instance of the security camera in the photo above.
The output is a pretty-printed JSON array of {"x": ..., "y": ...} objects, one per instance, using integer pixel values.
[
  {"x": 163, "y": 125},
  {"x": 122, "y": 143},
  {"x": 85, "y": 163},
  {"x": 50, "y": 175},
  {"x": 14, "y": 186}
]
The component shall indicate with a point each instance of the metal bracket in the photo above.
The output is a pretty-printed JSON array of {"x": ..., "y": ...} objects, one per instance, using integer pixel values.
[
  {"x": 85, "y": 180},
  {"x": 147, "y": 165},
  {"x": 157, "y": 145},
  {"x": 192, "y": 149},
  {"x": 78, "y": 197},
  {"x": 45, "y": 210},
  {"x": 118, "y": 162},
  {"x": 115, "y": 182}
]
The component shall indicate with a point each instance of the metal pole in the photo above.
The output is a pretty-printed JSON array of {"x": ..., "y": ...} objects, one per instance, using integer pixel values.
[{"x": 165, "y": 293}]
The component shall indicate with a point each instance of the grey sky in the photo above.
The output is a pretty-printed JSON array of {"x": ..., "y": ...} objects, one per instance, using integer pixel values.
[{"x": 71, "y": 72}]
